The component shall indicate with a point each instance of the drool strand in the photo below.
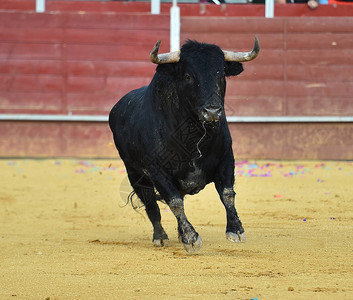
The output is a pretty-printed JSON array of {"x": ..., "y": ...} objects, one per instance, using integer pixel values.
[{"x": 198, "y": 143}]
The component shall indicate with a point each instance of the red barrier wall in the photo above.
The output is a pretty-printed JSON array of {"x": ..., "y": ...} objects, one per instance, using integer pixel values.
[
  {"x": 83, "y": 62},
  {"x": 74, "y": 63}
]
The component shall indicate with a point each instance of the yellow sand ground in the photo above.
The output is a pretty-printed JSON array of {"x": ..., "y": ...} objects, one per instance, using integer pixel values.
[{"x": 66, "y": 233}]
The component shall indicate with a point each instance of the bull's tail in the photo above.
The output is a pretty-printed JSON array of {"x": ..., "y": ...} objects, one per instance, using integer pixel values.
[{"x": 131, "y": 200}]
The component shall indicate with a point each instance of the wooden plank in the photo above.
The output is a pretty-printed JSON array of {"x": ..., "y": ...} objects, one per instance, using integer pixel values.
[
  {"x": 101, "y": 99},
  {"x": 318, "y": 89},
  {"x": 255, "y": 71},
  {"x": 230, "y": 25},
  {"x": 319, "y": 25},
  {"x": 5, "y": 50},
  {"x": 110, "y": 68},
  {"x": 85, "y": 83},
  {"x": 101, "y": 7},
  {"x": 22, "y": 66},
  {"x": 118, "y": 21},
  {"x": 46, "y": 35},
  {"x": 30, "y": 102},
  {"x": 264, "y": 88},
  {"x": 254, "y": 106},
  {"x": 107, "y": 52},
  {"x": 30, "y": 51},
  {"x": 102, "y": 94},
  {"x": 5, "y": 82},
  {"x": 145, "y": 21},
  {"x": 17, "y": 4},
  {"x": 342, "y": 73},
  {"x": 16, "y": 19},
  {"x": 44, "y": 83},
  {"x": 320, "y": 57},
  {"x": 126, "y": 84},
  {"x": 94, "y": 102},
  {"x": 322, "y": 40},
  {"x": 319, "y": 106},
  {"x": 146, "y": 37}
]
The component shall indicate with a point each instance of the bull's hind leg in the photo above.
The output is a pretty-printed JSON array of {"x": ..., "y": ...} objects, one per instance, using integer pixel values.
[
  {"x": 144, "y": 189},
  {"x": 187, "y": 234},
  {"x": 160, "y": 238}
]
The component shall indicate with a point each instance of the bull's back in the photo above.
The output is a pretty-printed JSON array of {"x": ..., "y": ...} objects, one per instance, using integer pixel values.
[{"x": 124, "y": 110}]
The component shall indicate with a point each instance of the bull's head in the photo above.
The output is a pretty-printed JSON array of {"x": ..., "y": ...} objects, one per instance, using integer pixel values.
[{"x": 199, "y": 72}]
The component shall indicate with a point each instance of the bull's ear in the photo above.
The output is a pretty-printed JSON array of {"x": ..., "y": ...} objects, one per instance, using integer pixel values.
[{"x": 233, "y": 68}]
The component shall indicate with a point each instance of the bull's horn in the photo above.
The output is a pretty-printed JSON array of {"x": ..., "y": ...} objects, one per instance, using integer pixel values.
[
  {"x": 163, "y": 58},
  {"x": 243, "y": 56}
]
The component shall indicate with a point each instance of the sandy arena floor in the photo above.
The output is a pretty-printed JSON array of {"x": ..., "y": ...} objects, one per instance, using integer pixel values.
[{"x": 65, "y": 233}]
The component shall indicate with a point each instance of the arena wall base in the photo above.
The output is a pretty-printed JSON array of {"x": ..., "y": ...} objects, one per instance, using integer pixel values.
[{"x": 323, "y": 141}]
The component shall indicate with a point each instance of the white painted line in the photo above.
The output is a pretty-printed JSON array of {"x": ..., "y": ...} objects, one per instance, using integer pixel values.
[
  {"x": 230, "y": 119},
  {"x": 53, "y": 118},
  {"x": 289, "y": 119}
]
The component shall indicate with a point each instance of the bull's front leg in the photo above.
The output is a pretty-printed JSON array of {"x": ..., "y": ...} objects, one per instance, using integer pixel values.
[
  {"x": 224, "y": 185},
  {"x": 235, "y": 230},
  {"x": 187, "y": 234}
]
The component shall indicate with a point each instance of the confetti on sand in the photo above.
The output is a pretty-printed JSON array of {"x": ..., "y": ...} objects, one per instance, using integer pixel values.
[
  {"x": 244, "y": 168},
  {"x": 89, "y": 167},
  {"x": 266, "y": 169},
  {"x": 293, "y": 169}
]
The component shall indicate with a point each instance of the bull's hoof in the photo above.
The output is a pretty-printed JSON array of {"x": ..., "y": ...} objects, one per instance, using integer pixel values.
[
  {"x": 236, "y": 237},
  {"x": 160, "y": 242},
  {"x": 193, "y": 247}
]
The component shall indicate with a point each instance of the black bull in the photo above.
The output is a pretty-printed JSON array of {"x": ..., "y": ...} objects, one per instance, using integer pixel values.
[{"x": 173, "y": 135}]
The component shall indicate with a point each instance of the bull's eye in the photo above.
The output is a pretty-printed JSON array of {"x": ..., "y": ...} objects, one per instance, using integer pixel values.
[{"x": 187, "y": 77}]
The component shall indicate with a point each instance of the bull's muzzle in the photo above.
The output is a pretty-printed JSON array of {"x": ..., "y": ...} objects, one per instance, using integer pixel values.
[{"x": 211, "y": 113}]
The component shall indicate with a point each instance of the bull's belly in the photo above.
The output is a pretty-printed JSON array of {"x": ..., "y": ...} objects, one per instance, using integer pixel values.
[{"x": 192, "y": 183}]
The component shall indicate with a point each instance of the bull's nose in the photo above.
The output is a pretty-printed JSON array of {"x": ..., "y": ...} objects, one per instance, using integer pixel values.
[{"x": 212, "y": 113}]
